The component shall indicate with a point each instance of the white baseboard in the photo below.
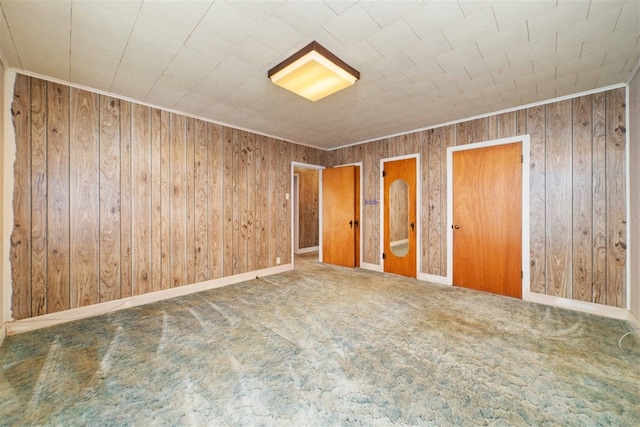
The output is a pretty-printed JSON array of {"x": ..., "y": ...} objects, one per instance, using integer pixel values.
[
  {"x": 441, "y": 280},
  {"x": 307, "y": 250},
  {"x": 585, "y": 307},
  {"x": 24, "y": 325},
  {"x": 372, "y": 267}
]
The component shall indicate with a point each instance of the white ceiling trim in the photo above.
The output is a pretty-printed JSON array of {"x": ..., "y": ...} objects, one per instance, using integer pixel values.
[{"x": 481, "y": 116}]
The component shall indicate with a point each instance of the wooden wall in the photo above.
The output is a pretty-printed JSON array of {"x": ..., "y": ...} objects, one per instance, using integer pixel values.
[
  {"x": 114, "y": 199},
  {"x": 309, "y": 207},
  {"x": 577, "y": 191},
  {"x": 634, "y": 192}
]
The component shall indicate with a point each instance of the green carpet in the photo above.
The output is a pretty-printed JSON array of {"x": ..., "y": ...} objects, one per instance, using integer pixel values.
[{"x": 326, "y": 346}]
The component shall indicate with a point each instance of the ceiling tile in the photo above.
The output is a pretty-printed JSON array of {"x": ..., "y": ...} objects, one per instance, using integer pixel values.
[
  {"x": 532, "y": 50},
  {"x": 428, "y": 48},
  {"x": 487, "y": 65},
  {"x": 167, "y": 91},
  {"x": 432, "y": 17},
  {"x": 6, "y": 44},
  {"x": 352, "y": 26},
  {"x": 226, "y": 22},
  {"x": 339, "y": 6},
  {"x": 556, "y": 19},
  {"x": 306, "y": 17},
  {"x": 590, "y": 29},
  {"x": 511, "y": 14},
  {"x": 394, "y": 64},
  {"x": 384, "y": 16},
  {"x": 256, "y": 53},
  {"x": 504, "y": 40},
  {"x": 190, "y": 66},
  {"x": 277, "y": 34},
  {"x": 458, "y": 58},
  {"x": 361, "y": 54},
  {"x": 258, "y": 11},
  {"x": 392, "y": 38},
  {"x": 468, "y": 30}
]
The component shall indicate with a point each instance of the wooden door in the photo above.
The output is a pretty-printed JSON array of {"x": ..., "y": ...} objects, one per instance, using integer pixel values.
[
  {"x": 338, "y": 216},
  {"x": 400, "y": 225},
  {"x": 487, "y": 219}
]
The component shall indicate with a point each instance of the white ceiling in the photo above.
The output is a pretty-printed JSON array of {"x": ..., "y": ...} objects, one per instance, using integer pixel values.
[{"x": 421, "y": 63}]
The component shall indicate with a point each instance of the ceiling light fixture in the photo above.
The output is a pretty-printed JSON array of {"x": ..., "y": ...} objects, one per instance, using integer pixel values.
[{"x": 313, "y": 73}]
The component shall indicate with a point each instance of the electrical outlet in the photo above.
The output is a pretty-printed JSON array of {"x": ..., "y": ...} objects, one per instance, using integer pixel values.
[{"x": 278, "y": 260}]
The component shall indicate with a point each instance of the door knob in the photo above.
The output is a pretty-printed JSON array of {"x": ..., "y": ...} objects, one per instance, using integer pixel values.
[
  {"x": 456, "y": 226},
  {"x": 351, "y": 224},
  {"x": 413, "y": 226}
]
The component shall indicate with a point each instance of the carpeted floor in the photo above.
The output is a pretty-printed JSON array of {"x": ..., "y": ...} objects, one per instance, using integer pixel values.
[{"x": 325, "y": 345}]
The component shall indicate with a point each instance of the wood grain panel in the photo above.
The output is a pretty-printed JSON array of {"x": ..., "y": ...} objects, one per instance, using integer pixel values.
[
  {"x": 507, "y": 124},
  {"x": 238, "y": 254},
  {"x": 84, "y": 199},
  {"x": 559, "y": 199},
  {"x": 190, "y": 201},
  {"x": 216, "y": 218},
  {"x": 492, "y": 128},
  {"x": 20, "y": 252},
  {"x": 370, "y": 191},
  {"x": 201, "y": 212},
  {"x": 448, "y": 140},
  {"x": 424, "y": 209},
  {"x": 435, "y": 199},
  {"x": 582, "y": 200},
  {"x": 465, "y": 133},
  {"x": 413, "y": 143},
  {"x": 599, "y": 159},
  {"x": 166, "y": 192},
  {"x": 521, "y": 122},
  {"x": 273, "y": 201},
  {"x": 284, "y": 186},
  {"x": 241, "y": 204},
  {"x": 38, "y": 197},
  {"x": 481, "y": 131},
  {"x": 58, "y": 198},
  {"x": 156, "y": 199},
  {"x": 616, "y": 198},
  {"x": 141, "y": 205},
  {"x": 109, "y": 199},
  {"x": 379, "y": 152},
  {"x": 536, "y": 127},
  {"x": 251, "y": 203},
  {"x": 228, "y": 185},
  {"x": 178, "y": 200},
  {"x": 126, "y": 192},
  {"x": 261, "y": 156}
]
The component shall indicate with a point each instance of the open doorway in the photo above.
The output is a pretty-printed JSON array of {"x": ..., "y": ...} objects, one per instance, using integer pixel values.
[{"x": 306, "y": 205}]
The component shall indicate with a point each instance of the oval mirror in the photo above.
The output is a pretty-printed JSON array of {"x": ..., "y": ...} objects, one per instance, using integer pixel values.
[{"x": 399, "y": 217}]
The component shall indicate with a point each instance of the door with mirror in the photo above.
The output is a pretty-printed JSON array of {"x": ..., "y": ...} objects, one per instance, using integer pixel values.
[{"x": 400, "y": 225}]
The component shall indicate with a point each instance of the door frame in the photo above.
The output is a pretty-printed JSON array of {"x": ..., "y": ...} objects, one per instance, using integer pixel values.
[
  {"x": 292, "y": 208},
  {"x": 418, "y": 210},
  {"x": 526, "y": 143}
]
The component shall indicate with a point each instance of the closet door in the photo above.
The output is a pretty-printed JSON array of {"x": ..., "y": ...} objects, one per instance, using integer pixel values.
[
  {"x": 400, "y": 225},
  {"x": 340, "y": 225}
]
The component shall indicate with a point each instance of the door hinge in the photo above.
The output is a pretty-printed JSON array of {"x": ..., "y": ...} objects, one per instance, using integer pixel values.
[
  {"x": 522, "y": 158},
  {"x": 384, "y": 256},
  {"x": 521, "y": 274},
  {"x": 384, "y": 174}
]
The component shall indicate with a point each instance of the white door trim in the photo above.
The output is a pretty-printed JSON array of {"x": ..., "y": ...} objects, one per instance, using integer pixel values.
[{"x": 526, "y": 267}]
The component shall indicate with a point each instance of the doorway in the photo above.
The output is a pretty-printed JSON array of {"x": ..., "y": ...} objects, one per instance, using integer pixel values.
[
  {"x": 306, "y": 205},
  {"x": 487, "y": 221},
  {"x": 400, "y": 222},
  {"x": 341, "y": 216}
]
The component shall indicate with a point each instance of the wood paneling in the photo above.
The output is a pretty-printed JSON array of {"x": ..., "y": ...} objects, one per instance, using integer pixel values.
[
  {"x": 38, "y": 198},
  {"x": 558, "y": 199},
  {"x": 58, "y": 198},
  {"x": 84, "y": 198},
  {"x": 536, "y": 119},
  {"x": 21, "y": 237},
  {"x": 616, "y": 200},
  {"x": 109, "y": 199},
  {"x": 582, "y": 199},
  {"x": 117, "y": 170},
  {"x": 577, "y": 192},
  {"x": 141, "y": 199}
]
